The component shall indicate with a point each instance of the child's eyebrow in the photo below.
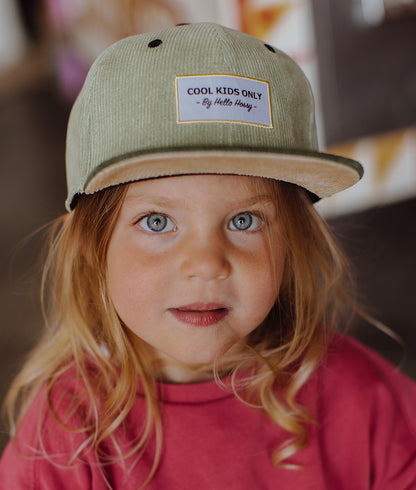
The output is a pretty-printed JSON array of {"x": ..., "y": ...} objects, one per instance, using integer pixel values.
[
  {"x": 155, "y": 200},
  {"x": 257, "y": 199}
]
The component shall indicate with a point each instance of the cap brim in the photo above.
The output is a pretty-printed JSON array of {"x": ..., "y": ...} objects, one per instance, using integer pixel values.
[{"x": 322, "y": 174}]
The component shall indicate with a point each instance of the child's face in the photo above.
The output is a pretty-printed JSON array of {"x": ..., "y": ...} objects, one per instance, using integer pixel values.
[{"x": 189, "y": 263}]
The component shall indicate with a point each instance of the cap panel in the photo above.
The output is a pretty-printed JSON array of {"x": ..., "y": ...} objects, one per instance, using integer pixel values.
[
  {"x": 135, "y": 106},
  {"x": 78, "y": 143}
]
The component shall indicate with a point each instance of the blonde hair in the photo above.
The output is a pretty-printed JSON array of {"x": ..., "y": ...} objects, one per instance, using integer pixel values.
[{"x": 277, "y": 358}]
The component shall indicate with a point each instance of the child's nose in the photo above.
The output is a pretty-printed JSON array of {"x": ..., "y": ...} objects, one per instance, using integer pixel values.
[{"x": 205, "y": 258}]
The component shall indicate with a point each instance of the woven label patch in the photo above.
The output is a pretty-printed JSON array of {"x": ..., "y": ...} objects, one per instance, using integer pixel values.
[{"x": 225, "y": 98}]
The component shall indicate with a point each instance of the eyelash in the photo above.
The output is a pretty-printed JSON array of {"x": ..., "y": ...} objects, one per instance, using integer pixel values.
[{"x": 257, "y": 218}]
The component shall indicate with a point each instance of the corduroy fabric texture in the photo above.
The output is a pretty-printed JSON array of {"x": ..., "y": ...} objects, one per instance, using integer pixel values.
[{"x": 124, "y": 125}]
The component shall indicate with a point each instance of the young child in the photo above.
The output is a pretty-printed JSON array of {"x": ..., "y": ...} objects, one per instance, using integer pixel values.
[{"x": 194, "y": 292}]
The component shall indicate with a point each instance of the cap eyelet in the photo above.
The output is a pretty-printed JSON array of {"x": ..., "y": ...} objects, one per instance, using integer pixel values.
[
  {"x": 155, "y": 43},
  {"x": 270, "y": 48}
]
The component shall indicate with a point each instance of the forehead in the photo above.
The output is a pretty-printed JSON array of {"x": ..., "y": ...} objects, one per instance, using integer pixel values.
[{"x": 218, "y": 187}]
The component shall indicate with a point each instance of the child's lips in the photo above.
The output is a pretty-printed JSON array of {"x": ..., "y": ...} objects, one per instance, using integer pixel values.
[{"x": 200, "y": 314}]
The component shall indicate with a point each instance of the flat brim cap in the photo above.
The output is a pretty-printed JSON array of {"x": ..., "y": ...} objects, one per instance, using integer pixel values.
[{"x": 197, "y": 99}]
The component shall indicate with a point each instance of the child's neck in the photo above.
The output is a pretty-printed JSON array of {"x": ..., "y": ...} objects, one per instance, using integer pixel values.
[{"x": 169, "y": 370}]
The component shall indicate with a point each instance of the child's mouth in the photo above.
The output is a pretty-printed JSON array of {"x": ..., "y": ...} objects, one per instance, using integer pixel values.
[{"x": 200, "y": 314}]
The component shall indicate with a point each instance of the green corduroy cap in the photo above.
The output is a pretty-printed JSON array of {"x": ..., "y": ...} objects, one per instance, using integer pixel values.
[{"x": 197, "y": 99}]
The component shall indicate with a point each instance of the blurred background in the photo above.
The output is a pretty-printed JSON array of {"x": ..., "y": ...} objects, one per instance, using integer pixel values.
[{"x": 359, "y": 56}]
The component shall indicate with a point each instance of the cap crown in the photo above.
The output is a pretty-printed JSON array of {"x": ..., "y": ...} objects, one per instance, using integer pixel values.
[
  {"x": 131, "y": 103},
  {"x": 127, "y": 105}
]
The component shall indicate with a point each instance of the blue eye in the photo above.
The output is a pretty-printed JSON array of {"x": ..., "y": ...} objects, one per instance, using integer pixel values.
[
  {"x": 157, "y": 223},
  {"x": 244, "y": 222}
]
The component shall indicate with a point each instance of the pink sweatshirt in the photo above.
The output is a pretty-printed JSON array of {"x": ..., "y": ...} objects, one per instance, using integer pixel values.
[{"x": 365, "y": 437}]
